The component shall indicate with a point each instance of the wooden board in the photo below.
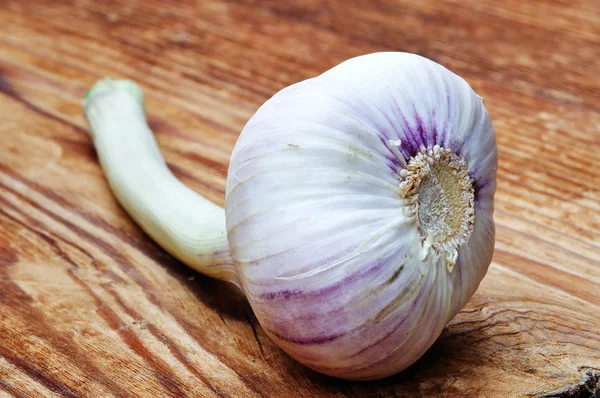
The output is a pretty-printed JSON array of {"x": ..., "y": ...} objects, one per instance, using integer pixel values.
[{"x": 90, "y": 307}]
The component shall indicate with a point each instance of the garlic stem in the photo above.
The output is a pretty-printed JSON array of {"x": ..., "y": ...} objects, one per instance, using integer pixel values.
[{"x": 188, "y": 226}]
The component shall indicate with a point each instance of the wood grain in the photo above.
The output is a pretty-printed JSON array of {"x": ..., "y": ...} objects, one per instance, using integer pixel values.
[{"x": 91, "y": 307}]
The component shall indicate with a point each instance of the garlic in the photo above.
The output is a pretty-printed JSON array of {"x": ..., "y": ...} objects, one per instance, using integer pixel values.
[{"x": 358, "y": 212}]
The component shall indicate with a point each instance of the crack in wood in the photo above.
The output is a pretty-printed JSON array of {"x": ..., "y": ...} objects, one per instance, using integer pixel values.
[{"x": 588, "y": 387}]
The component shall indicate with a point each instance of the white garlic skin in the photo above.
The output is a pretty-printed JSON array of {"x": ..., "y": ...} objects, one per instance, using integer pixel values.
[{"x": 326, "y": 251}]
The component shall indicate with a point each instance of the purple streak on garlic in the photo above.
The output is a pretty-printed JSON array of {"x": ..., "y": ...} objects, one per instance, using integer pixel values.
[
  {"x": 339, "y": 266},
  {"x": 359, "y": 207}
]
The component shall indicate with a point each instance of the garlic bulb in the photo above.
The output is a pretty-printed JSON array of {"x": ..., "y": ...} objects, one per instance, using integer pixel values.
[{"x": 358, "y": 212}]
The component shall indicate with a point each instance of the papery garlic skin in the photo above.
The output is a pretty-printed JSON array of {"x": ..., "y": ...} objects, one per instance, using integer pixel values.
[{"x": 327, "y": 250}]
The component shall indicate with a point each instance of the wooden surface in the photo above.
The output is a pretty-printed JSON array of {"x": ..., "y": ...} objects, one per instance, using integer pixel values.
[{"x": 90, "y": 307}]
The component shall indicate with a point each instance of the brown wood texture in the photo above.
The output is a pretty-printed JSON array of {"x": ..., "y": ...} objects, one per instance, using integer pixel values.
[{"x": 91, "y": 307}]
